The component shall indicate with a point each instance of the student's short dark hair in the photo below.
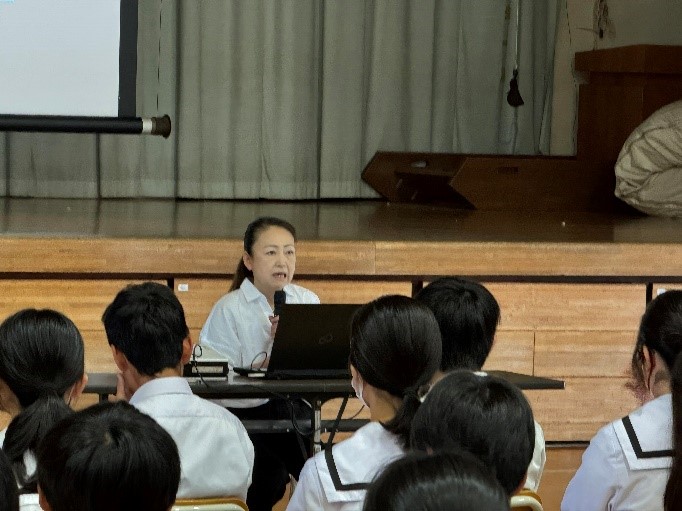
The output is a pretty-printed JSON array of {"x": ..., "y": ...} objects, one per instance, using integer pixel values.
[
  {"x": 108, "y": 457},
  {"x": 445, "y": 481},
  {"x": 147, "y": 324},
  {"x": 482, "y": 414},
  {"x": 395, "y": 346},
  {"x": 468, "y": 315}
]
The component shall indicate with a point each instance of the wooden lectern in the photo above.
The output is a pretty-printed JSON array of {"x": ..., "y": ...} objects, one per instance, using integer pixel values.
[
  {"x": 524, "y": 183},
  {"x": 626, "y": 85}
]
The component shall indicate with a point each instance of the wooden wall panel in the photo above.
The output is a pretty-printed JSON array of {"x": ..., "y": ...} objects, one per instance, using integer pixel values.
[
  {"x": 562, "y": 463},
  {"x": 516, "y": 305},
  {"x": 588, "y": 306},
  {"x": 587, "y": 353},
  {"x": 355, "y": 291},
  {"x": 168, "y": 256},
  {"x": 198, "y": 296},
  {"x": 533, "y": 306},
  {"x": 335, "y": 258},
  {"x": 98, "y": 358},
  {"x": 83, "y": 301},
  {"x": 584, "y": 406},
  {"x": 511, "y": 258},
  {"x": 126, "y": 256},
  {"x": 512, "y": 351}
]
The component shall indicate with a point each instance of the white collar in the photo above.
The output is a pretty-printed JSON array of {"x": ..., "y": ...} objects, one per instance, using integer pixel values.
[
  {"x": 252, "y": 293},
  {"x": 160, "y": 386}
]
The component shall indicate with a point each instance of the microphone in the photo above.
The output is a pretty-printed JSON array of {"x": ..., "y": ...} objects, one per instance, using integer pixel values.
[{"x": 280, "y": 299}]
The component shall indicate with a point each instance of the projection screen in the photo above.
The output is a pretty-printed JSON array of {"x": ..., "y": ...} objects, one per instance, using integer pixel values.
[{"x": 68, "y": 57}]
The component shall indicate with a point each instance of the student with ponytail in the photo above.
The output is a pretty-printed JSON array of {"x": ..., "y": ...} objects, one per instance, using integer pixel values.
[
  {"x": 41, "y": 375},
  {"x": 673, "y": 490},
  {"x": 395, "y": 349},
  {"x": 627, "y": 464},
  {"x": 242, "y": 327}
]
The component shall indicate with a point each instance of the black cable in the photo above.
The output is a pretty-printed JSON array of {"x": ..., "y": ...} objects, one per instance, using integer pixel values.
[{"x": 262, "y": 363}]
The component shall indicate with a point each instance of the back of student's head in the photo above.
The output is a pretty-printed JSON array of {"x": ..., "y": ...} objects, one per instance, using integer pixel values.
[
  {"x": 660, "y": 331},
  {"x": 467, "y": 314},
  {"x": 108, "y": 457},
  {"x": 445, "y": 481},
  {"x": 9, "y": 497},
  {"x": 482, "y": 414},
  {"x": 253, "y": 231},
  {"x": 41, "y": 359},
  {"x": 146, "y": 322},
  {"x": 395, "y": 347}
]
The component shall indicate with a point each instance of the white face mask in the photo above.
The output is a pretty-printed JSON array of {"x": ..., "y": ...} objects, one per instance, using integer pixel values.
[{"x": 358, "y": 386}]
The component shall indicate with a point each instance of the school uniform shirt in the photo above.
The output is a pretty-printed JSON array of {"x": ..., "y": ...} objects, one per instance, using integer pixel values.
[
  {"x": 337, "y": 480},
  {"x": 627, "y": 463},
  {"x": 29, "y": 501},
  {"x": 239, "y": 328},
  {"x": 216, "y": 454},
  {"x": 537, "y": 463}
]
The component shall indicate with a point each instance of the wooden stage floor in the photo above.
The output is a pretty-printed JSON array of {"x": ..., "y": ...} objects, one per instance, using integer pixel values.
[
  {"x": 360, "y": 239},
  {"x": 362, "y": 220}
]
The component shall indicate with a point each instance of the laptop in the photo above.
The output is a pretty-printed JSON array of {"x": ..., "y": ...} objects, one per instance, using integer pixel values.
[{"x": 312, "y": 341}]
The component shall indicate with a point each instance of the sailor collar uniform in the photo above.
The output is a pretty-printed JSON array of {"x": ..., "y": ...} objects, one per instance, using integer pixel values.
[
  {"x": 337, "y": 479},
  {"x": 627, "y": 463},
  {"x": 646, "y": 435}
]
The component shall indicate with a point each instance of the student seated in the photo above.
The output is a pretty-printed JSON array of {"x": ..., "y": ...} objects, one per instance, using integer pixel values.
[
  {"x": 9, "y": 496},
  {"x": 484, "y": 415},
  {"x": 149, "y": 339},
  {"x": 468, "y": 315},
  {"x": 41, "y": 375},
  {"x": 627, "y": 463},
  {"x": 394, "y": 351},
  {"x": 445, "y": 481},
  {"x": 108, "y": 457}
]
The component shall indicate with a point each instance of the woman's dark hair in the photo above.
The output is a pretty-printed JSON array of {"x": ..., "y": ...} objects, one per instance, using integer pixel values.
[
  {"x": 9, "y": 496},
  {"x": 395, "y": 346},
  {"x": 41, "y": 357},
  {"x": 250, "y": 236},
  {"x": 108, "y": 457},
  {"x": 661, "y": 331},
  {"x": 446, "y": 481},
  {"x": 482, "y": 414}
]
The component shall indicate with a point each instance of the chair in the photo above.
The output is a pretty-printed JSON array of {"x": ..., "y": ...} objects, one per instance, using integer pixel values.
[
  {"x": 526, "y": 500},
  {"x": 210, "y": 504}
]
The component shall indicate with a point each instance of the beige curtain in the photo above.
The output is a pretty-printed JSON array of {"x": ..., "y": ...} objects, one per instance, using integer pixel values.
[{"x": 290, "y": 99}]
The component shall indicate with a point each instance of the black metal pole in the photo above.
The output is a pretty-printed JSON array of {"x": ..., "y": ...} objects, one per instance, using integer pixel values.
[{"x": 67, "y": 124}]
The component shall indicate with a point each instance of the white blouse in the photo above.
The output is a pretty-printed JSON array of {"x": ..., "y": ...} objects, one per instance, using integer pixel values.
[{"x": 239, "y": 328}]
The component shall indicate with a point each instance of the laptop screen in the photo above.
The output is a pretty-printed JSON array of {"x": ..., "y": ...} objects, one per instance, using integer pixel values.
[{"x": 313, "y": 338}]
